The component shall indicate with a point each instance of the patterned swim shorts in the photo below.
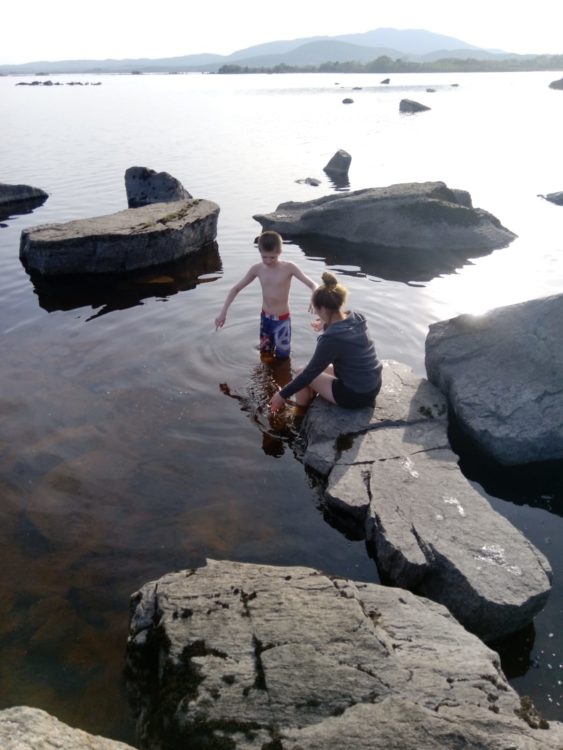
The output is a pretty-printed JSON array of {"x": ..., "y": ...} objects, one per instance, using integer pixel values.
[{"x": 275, "y": 334}]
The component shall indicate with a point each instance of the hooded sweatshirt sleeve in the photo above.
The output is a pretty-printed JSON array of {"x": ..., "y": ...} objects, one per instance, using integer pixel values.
[{"x": 321, "y": 359}]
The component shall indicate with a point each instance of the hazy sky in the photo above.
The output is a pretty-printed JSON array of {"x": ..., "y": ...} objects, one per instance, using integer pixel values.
[{"x": 34, "y": 30}]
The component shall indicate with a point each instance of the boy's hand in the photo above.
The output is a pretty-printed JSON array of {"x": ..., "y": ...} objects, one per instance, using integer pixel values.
[
  {"x": 220, "y": 321},
  {"x": 277, "y": 402}
]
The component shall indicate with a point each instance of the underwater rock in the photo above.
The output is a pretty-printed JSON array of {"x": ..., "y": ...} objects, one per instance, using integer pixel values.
[{"x": 253, "y": 656}]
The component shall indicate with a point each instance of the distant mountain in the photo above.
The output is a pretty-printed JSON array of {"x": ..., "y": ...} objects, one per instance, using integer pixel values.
[
  {"x": 409, "y": 44},
  {"x": 408, "y": 41},
  {"x": 164, "y": 64},
  {"x": 274, "y": 48},
  {"x": 316, "y": 53}
]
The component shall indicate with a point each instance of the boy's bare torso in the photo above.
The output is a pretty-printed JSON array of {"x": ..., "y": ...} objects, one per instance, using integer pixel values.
[{"x": 276, "y": 282}]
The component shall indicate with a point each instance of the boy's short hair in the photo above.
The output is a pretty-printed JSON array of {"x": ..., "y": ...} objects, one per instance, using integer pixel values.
[{"x": 270, "y": 242}]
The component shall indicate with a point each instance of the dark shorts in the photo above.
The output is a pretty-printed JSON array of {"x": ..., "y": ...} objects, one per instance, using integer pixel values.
[{"x": 348, "y": 399}]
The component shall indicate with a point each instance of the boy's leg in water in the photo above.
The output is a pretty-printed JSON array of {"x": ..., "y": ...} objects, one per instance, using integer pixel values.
[
  {"x": 266, "y": 345},
  {"x": 282, "y": 338}
]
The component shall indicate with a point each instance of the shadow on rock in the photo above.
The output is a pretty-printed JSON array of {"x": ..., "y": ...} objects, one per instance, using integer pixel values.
[
  {"x": 389, "y": 263},
  {"x": 539, "y": 485},
  {"x": 515, "y": 652},
  {"x": 109, "y": 292}
]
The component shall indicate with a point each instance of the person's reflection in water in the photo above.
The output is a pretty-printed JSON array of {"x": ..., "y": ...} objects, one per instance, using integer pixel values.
[
  {"x": 268, "y": 377},
  {"x": 272, "y": 374}
]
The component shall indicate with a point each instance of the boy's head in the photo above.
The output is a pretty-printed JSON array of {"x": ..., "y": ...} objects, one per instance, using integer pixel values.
[{"x": 270, "y": 242}]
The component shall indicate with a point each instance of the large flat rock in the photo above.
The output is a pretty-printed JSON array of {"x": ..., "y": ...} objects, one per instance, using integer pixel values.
[
  {"x": 124, "y": 241},
  {"x": 25, "y": 728},
  {"x": 233, "y": 656},
  {"x": 502, "y": 374},
  {"x": 433, "y": 531},
  {"x": 421, "y": 216}
]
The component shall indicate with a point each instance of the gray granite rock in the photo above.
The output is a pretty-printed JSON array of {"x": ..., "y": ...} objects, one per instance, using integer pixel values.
[
  {"x": 420, "y": 216},
  {"x": 557, "y": 84},
  {"x": 124, "y": 241},
  {"x": 392, "y": 469},
  {"x": 403, "y": 399},
  {"x": 20, "y": 193},
  {"x": 556, "y": 198},
  {"x": 339, "y": 163},
  {"x": 25, "y": 728},
  {"x": 250, "y": 657},
  {"x": 502, "y": 374},
  {"x": 145, "y": 186},
  {"x": 410, "y": 106}
]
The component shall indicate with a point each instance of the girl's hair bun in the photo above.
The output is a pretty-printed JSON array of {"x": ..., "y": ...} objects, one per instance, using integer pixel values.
[{"x": 329, "y": 280}]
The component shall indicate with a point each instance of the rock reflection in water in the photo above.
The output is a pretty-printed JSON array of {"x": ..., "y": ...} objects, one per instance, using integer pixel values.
[
  {"x": 388, "y": 263},
  {"x": 109, "y": 292},
  {"x": 18, "y": 208}
]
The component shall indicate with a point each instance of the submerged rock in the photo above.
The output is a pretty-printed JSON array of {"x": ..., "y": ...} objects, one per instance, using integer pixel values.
[
  {"x": 502, "y": 373},
  {"x": 392, "y": 468},
  {"x": 427, "y": 216},
  {"x": 125, "y": 241},
  {"x": 309, "y": 181},
  {"x": 234, "y": 655},
  {"x": 24, "y": 728},
  {"x": 145, "y": 186}
]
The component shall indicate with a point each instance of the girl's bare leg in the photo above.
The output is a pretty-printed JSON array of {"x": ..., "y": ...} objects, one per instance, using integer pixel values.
[
  {"x": 304, "y": 396},
  {"x": 322, "y": 385}
]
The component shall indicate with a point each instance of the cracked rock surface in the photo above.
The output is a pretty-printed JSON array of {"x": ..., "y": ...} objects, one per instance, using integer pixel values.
[
  {"x": 241, "y": 656},
  {"x": 502, "y": 373},
  {"x": 432, "y": 530},
  {"x": 25, "y": 728}
]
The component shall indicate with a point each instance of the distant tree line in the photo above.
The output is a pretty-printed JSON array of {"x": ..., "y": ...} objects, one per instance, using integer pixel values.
[{"x": 385, "y": 64}]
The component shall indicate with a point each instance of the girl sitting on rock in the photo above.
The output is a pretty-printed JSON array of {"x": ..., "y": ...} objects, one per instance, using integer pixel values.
[{"x": 344, "y": 368}]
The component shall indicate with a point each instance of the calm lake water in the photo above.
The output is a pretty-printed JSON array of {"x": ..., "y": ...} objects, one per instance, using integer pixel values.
[{"x": 121, "y": 456}]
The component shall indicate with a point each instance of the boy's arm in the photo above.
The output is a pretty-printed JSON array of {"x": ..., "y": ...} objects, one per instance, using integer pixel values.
[
  {"x": 245, "y": 281},
  {"x": 298, "y": 273}
]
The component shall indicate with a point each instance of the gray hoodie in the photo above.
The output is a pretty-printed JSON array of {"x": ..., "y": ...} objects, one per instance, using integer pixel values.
[{"x": 347, "y": 346}]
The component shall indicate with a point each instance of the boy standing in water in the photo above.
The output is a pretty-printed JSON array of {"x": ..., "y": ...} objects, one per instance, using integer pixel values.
[{"x": 275, "y": 278}]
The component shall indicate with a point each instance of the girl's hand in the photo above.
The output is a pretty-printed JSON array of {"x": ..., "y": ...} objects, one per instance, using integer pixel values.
[{"x": 277, "y": 402}]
